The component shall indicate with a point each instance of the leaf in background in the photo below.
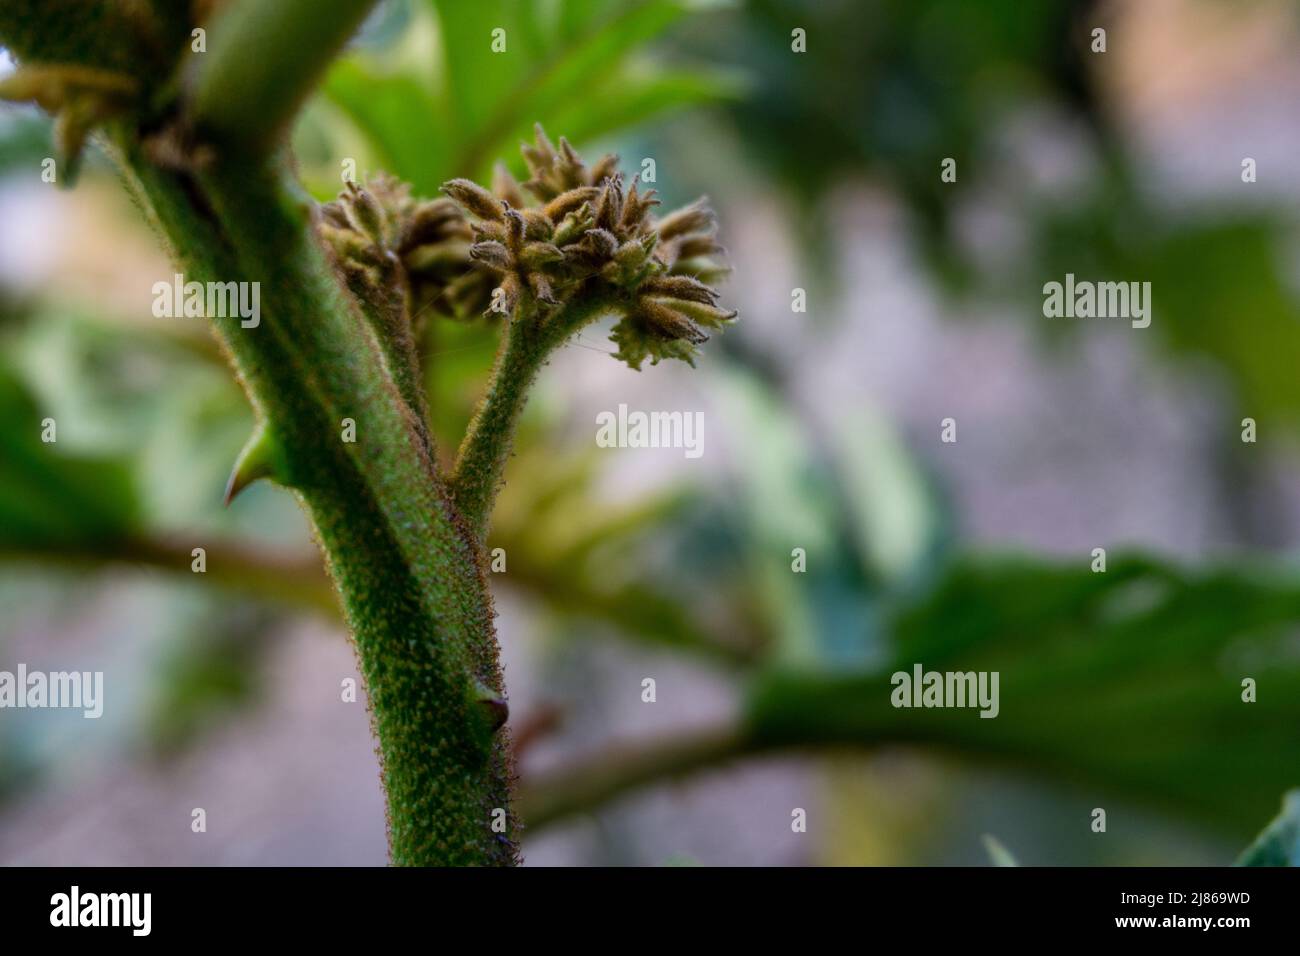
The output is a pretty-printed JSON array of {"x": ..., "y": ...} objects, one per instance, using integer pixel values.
[
  {"x": 1240, "y": 312},
  {"x": 893, "y": 517},
  {"x": 1128, "y": 681},
  {"x": 581, "y": 69},
  {"x": 49, "y": 498},
  {"x": 919, "y": 82},
  {"x": 478, "y": 79},
  {"x": 567, "y": 66},
  {"x": 24, "y": 140},
  {"x": 397, "y": 115},
  {"x": 780, "y": 498},
  {"x": 643, "y": 95},
  {"x": 1279, "y": 843},
  {"x": 212, "y": 668},
  {"x": 585, "y": 561},
  {"x": 848, "y": 493}
]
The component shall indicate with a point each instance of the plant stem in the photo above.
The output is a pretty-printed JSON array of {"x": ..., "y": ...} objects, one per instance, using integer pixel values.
[
  {"x": 335, "y": 426},
  {"x": 783, "y": 713},
  {"x": 525, "y": 348},
  {"x": 596, "y": 780},
  {"x": 263, "y": 59},
  {"x": 414, "y": 594}
]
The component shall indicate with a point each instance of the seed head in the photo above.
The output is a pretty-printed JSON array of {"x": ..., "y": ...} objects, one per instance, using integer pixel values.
[{"x": 591, "y": 233}]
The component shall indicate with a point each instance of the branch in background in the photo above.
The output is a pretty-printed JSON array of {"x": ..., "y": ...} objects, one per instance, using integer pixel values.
[
  {"x": 587, "y": 784},
  {"x": 281, "y": 578},
  {"x": 637, "y": 614},
  {"x": 536, "y": 727}
]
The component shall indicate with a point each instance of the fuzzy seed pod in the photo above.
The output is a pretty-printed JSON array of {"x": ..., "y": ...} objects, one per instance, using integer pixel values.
[
  {"x": 476, "y": 200},
  {"x": 592, "y": 234}
]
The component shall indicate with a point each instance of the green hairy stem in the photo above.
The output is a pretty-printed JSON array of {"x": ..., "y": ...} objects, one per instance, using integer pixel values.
[
  {"x": 525, "y": 347},
  {"x": 263, "y": 62},
  {"x": 408, "y": 576}
]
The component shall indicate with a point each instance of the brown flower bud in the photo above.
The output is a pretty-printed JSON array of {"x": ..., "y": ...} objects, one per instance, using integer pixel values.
[
  {"x": 474, "y": 198},
  {"x": 697, "y": 217},
  {"x": 491, "y": 254}
]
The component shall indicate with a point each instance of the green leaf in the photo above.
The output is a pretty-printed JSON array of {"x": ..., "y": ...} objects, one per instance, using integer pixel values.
[
  {"x": 210, "y": 670},
  {"x": 1279, "y": 844},
  {"x": 1126, "y": 682},
  {"x": 581, "y": 67},
  {"x": 398, "y": 117},
  {"x": 567, "y": 66},
  {"x": 1240, "y": 313},
  {"x": 575, "y": 16},
  {"x": 50, "y": 498},
  {"x": 848, "y": 494},
  {"x": 781, "y": 499},
  {"x": 640, "y": 96},
  {"x": 477, "y": 78}
]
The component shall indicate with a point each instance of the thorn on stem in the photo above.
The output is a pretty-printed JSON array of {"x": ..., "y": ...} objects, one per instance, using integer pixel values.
[{"x": 256, "y": 460}]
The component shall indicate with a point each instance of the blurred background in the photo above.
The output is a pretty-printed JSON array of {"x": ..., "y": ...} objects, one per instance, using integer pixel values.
[{"x": 821, "y": 432}]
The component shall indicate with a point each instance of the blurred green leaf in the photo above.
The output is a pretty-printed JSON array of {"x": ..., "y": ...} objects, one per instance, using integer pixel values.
[
  {"x": 918, "y": 82},
  {"x": 397, "y": 115},
  {"x": 893, "y": 518},
  {"x": 591, "y": 562},
  {"x": 47, "y": 497},
  {"x": 779, "y": 499},
  {"x": 498, "y": 96},
  {"x": 1279, "y": 843},
  {"x": 643, "y": 95},
  {"x": 212, "y": 669},
  {"x": 568, "y": 66},
  {"x": 1240, "y": 312},
  {"x": 845, "y": 491},
  {"x": 1127, "y": 681}
]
